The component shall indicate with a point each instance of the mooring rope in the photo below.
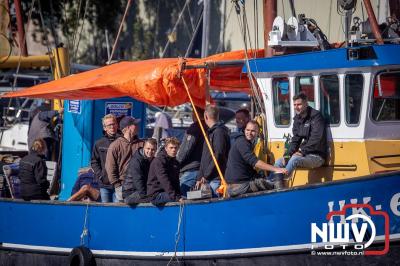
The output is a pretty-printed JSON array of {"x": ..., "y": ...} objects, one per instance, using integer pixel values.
[
  {"x": 178, "y": 233},
  {"x": 85, "y": 231}
]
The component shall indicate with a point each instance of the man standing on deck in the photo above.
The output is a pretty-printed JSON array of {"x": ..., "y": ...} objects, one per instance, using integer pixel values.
[
  {"x": 99, "y": 153},
  {"x": 120, "y": 152},
  {"x": 240, "y": 170},
  {"x": 308, "y": 147},
  {"x": 218, "y": 135}
]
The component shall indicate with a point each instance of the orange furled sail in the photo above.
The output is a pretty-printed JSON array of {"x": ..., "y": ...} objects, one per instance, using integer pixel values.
[{"x": 154, "y": 81}]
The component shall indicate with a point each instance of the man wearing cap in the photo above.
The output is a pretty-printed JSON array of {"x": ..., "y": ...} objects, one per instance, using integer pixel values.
[{"x": 120, "y": 152}]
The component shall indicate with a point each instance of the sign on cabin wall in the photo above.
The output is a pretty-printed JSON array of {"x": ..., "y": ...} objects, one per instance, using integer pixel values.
[
  {"x": 74, "y": 106},
  {"x": 119, "y": 108}
]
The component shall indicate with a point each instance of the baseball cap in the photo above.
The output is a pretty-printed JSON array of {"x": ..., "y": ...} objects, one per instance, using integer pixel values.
[{"x": 128, "y": 121}]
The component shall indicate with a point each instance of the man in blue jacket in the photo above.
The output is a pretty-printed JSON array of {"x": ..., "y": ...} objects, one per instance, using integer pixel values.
[{"x": 308, "y": 147}]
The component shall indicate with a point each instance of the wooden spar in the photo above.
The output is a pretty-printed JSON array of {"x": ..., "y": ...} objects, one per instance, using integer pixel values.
[
  {"x": 373, "y": 22},
  {"x": 21, "y": 30},
  {"x": 270, "y": 11}
]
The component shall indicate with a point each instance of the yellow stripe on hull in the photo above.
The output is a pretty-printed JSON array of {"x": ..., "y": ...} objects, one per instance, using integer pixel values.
[{"x": 348, "y": 159}]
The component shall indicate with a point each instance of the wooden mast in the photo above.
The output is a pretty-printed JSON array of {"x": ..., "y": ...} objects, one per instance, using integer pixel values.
[
  {"x": 269, "y": 12},
  {"x": 373, "y": 22},
  {"x": 21, "y": 29}
]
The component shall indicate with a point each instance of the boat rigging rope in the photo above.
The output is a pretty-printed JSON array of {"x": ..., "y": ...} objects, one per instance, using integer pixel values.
[
  {"x": 223, "y": 181},
  {"x": 80, "y": 32},
  {"x": 128, "y": 5},
  {"x": 174, "y": 28},
  {"x": 221, "y": 42},
  {"x": 184, "y": 20},
  {"x": 76, "y": 25},
  {"x": 85, "y": 231},
  {"x": 256, "y": 93},
  {"x": 178, "y": 232},
  {"x": 46, "y": 38},
  {"x": 19, "y": 64}
]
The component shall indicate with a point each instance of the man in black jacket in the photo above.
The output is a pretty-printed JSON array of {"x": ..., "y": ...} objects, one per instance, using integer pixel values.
[
  {"x": 240, "y": 174},
  {"x": 189, "y": 154},
  {"x": 308, "y": 147},
  {"x": 110, "y": 127},
  {"x": 163, "y": 181},
  {"x": 134, "y": 188},
  {"x": 33, "y": 173},
  {"x": 218, "y": 135}
]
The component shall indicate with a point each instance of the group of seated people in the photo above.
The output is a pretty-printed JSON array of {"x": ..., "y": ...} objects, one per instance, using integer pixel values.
[{"x": 131, "y": 170}]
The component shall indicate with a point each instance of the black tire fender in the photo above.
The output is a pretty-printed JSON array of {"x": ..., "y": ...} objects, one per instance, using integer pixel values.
[{"x": 81, "y": 256}]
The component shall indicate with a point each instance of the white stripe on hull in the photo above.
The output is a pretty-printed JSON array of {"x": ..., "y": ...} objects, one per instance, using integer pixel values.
[{"x": 275, "y": 249}]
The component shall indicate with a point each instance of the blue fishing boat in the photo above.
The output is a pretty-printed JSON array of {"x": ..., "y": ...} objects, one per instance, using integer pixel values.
[{"x": 345, "y": 211}]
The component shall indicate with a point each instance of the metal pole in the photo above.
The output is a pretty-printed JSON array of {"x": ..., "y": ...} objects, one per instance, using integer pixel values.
[
  {"x": 206, "y": 28},
  {"x": 372, "y": 21},
  {"x": 347, "y": 22},
  {"x": 21, "y": 30},
  {"x": 270, "y": 11},
  {"x": 25, "y": 62},
  {"x": 61, "y": 69}
]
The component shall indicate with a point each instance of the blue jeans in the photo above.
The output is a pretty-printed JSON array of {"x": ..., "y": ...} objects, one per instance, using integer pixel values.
[
  {"x": 309, "y": 161},
  {"x": 108, "y": 195},
  {"x": 187, "y": 180},
  {"x": 215, "y": 184}
]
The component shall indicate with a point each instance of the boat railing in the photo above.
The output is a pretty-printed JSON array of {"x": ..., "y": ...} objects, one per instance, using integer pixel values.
[{"x": 375, "y": 159}]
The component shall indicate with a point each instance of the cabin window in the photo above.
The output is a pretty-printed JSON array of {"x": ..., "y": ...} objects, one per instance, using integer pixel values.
[
  {"x": 281, "y": 94},
  {"x": 329, "y": 98},
  {"x": 354, "y": 84},
  {"x": 386, "y": 97},
  {"x": 305, "y": 84}
]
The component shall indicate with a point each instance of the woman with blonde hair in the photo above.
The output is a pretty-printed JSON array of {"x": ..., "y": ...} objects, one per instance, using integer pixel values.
[{"x": 33, "y": 173}]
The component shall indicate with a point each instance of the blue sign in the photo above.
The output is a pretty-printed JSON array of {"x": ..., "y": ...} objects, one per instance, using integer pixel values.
[
  {"x": 119, "y": 108},
  {"x": 74, "y": 106}
]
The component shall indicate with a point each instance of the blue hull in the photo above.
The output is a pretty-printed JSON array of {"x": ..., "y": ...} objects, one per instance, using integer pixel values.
[{"x": 257, "y": 224}]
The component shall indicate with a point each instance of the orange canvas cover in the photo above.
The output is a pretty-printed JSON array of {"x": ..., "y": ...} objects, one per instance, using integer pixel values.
[{"x": 154, "y": 81}]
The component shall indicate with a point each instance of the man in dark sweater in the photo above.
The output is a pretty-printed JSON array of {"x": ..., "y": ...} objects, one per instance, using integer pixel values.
[
  {"x": 308, "y": 147},
  {"x": 240, "y": 174},
  {"x": 99, "y": 153},
  {"x": 33, "y": 173},
  {"x": 189, "y": 154},
  {"x": 134, "y": 186},
  {"x": 163, "y": 181},
  {"x": 218, "y": 135}
]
